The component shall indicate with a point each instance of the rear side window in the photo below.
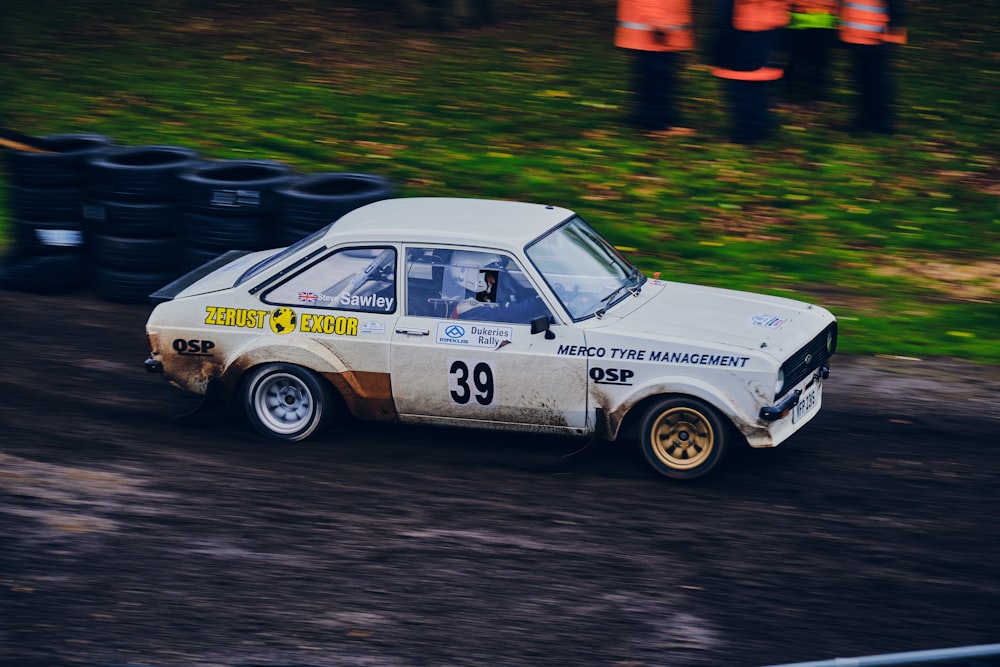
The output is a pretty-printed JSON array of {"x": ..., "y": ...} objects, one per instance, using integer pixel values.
[{"x": 356, "y": 279}]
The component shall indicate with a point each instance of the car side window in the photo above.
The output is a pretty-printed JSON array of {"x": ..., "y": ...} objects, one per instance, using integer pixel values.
[
  {"x": 469, "y": 285},
  {"x": 358, "y": 279}
]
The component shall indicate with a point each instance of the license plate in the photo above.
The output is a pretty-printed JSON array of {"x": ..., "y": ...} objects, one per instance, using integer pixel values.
[{"x": 808, "y": 402}]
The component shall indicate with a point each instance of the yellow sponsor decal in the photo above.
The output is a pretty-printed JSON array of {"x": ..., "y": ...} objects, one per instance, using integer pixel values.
[
  {"x": 329, "y": 324},
  {"x": 235, "y": 317},
  {"x": 281, "y": 320}
]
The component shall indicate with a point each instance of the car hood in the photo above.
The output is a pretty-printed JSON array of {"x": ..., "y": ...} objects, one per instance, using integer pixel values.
[{"x": 720, "y": 316}]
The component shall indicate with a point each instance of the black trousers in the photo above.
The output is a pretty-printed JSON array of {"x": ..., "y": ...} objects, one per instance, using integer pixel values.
[
  {"x": 807, "y": 74},
  {"x": 749, "y": 110},
  {"x": 873, "y": 107},
  {"x": 655, "y": 88}
]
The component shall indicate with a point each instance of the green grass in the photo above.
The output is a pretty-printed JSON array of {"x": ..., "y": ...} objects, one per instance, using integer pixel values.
[{"x": 898, "y": 236}]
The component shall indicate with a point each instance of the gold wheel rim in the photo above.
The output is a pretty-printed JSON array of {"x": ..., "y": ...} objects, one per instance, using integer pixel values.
[{"x": 682, "y": 438}]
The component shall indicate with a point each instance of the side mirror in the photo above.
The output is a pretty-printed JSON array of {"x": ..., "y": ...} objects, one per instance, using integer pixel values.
[{"x": 540, "y": 324}]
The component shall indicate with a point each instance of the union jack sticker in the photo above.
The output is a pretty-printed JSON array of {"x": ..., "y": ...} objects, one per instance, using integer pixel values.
[{"x": 307, "y": 297}]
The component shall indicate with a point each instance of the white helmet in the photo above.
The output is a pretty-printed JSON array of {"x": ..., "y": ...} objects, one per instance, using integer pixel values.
[{"x": 467, "y": 271}]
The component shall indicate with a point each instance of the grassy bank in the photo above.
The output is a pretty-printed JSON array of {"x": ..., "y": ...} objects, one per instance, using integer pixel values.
[{"x": 899, "y": 236}]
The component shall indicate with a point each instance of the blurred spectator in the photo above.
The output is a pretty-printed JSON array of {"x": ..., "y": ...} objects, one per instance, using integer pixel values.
[
  {"x": 811, "y": 36},
  {"x": 867, "y": 27},
  {"x": 449, "y": 13},
  {"x": 656, "y": 31},
  {"x": 746, "y": 53}
]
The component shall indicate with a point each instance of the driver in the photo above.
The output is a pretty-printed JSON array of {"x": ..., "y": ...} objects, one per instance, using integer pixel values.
[
  {"x": 472, "y": 276},
  {"x": 480, "y": 277}
]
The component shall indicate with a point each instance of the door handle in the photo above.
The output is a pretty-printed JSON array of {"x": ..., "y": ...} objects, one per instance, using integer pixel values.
[{"x": 413, "y": 332}]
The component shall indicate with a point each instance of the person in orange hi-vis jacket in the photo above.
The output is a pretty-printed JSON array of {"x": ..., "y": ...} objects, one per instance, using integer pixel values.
[
  {"x": 812, "y": 35},
  {"x": 866, "y": 28},
  {"x": 656, "y": 31},
  {"x": 747, "y": 54}
]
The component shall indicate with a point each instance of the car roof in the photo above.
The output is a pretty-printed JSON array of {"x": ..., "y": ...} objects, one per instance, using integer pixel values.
[{"x": 448, "y": 220}]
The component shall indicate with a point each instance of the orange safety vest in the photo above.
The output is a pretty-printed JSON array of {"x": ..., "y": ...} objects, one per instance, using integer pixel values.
[
  {"x": 758, "y": 15},
  {"x": 814, "y": 6},
  {"x": 639, "y": 21},
  {"x": 762, "y": 74},
  {"x": 751, "y": 19},
  {"x": 863, "y": 21}
]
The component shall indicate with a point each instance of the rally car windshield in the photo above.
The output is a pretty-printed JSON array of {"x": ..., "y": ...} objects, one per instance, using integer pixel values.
[{"x": 587, "y": 273}]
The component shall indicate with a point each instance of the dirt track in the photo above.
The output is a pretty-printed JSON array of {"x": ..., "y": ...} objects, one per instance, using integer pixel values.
[{"x": 128, "y": 536}]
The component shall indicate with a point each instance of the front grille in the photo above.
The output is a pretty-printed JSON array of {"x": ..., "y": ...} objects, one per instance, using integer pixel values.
[{"x": 813, "y": 355}]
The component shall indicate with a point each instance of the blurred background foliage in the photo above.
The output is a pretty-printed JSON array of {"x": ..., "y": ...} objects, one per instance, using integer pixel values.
[{"x": 525, "y": 99}]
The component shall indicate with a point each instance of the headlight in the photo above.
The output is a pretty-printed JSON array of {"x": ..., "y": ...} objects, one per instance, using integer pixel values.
[
  {"x": 779, "y": 382},
  {"x": 829, "y": 342}
]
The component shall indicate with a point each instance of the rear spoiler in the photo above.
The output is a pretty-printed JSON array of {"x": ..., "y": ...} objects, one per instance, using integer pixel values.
[{"x": 168, "y": 292}]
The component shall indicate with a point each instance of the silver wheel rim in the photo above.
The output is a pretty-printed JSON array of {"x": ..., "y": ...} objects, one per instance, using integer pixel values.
[{"x": 284, "y": 403}]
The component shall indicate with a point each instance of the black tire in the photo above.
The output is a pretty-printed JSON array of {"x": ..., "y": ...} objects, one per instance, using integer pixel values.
[
  {"x": 314, "y": 201},
  {"x": 684, "y": 438},
  {"x": 45, "y": 274},
  {"x": 63, "y": 166},
  {"x": 287, "y": 402},
  {"x": 225, "y": 232},
  {"x": 286, "y": 236},
  {"x": 132, "y": 219},
  {"x": 194, "y": 256},
  {"x": 49, "y": 237},
  {"x": 142, "y": 255},
  {"x": 129, "y": 286},
  {"x": 233, "y": 187},
  {"x": 139, "y": 173},
  {"x": 29, "y": 203}
]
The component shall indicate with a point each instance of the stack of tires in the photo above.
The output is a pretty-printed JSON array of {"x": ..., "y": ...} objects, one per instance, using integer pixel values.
[
  {"x": 228, "y": 205},
  {"x": 311, "y": 202},
  {"x": 131, "y": 210},
  {"x": 46, "y": 196}
]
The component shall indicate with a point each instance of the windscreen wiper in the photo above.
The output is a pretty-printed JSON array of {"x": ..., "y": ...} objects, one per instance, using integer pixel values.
[{"x": 634, "y": 286}]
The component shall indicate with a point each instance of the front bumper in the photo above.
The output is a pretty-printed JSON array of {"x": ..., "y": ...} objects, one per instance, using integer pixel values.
[{"x": 781, "y": 410}]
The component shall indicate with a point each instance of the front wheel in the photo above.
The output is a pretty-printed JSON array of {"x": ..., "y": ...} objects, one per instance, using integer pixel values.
[
  {"x": 683, "y": 438},
  {"x": 287, "y": 402}
]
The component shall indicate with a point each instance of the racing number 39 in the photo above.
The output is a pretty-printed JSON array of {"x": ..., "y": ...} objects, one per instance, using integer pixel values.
[{"x": 481, "y": 378}]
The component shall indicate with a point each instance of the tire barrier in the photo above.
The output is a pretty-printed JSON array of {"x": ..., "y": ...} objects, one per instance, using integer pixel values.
[
  {"x": 132, "y": 213},
  {"x": 311, "y": 202},
  {"x": 46, "y": 194},
  {"x": 132, "y": 219},
  {"x": 129, "y": 286},
  {"x": 49, "y": 237},
  {"x": 59, "y": 203},
  {"x": 193, "y": 256},
  {"x": 63, "y": 166},
  {"x": 243, "y": 232},
  {"x": 43, "y": 274},
  {"x": 154, "y": 255},
  {"x": 228, "y": 205},
  {"x": 128, "y": 220},
  {"x": 139, "y": 173}
]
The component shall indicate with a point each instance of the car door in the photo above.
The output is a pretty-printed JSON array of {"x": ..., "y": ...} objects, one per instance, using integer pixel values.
[{"x": 462, "y": 358}]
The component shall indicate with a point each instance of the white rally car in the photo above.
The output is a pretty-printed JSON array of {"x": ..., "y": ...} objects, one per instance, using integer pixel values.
[{"x": 490, "y": 314}]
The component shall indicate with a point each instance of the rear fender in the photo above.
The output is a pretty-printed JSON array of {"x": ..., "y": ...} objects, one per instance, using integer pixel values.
[
  {"x": 367, "y": 395},
  {"x": 305, "y": 352}
]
